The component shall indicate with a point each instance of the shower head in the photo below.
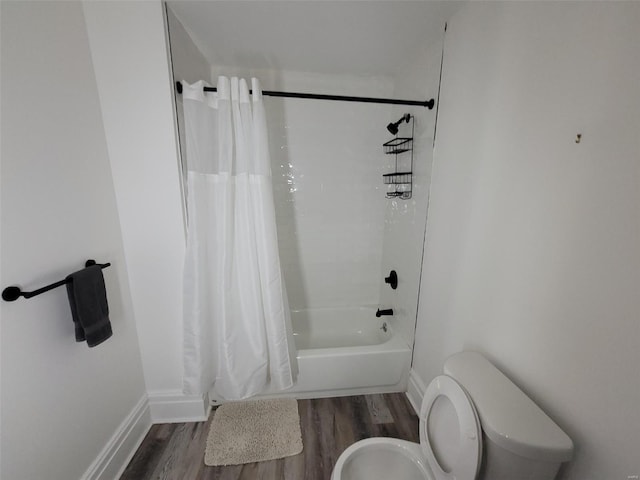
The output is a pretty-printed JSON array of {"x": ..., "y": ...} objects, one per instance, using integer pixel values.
[{"x": 393, "y": 127}]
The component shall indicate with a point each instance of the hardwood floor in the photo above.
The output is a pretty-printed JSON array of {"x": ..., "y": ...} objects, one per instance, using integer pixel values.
[{"x": 329, "y": 425}]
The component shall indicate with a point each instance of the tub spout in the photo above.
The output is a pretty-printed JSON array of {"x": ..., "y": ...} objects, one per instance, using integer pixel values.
[{"x": 388, "y": 311}]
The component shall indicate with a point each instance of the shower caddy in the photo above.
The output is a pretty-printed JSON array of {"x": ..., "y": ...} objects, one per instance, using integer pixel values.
[{"x": 403, "y": 180}]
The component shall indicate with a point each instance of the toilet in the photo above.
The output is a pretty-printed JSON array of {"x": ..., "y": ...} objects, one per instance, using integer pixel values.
[{"x": 475, "y": 424}]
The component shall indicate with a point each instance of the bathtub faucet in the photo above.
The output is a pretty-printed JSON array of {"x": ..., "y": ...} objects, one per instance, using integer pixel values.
[{"x": 388, "y": 311}]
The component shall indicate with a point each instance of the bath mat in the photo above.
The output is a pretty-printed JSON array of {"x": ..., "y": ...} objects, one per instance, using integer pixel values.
[{"x": 254, "y": 431}]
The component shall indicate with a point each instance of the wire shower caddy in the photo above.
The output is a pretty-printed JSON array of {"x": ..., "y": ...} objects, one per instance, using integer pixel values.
[{"x": 402, "y": 180}]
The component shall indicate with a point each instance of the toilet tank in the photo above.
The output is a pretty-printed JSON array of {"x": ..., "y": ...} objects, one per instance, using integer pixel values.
[{"x": 519, "y": 440}]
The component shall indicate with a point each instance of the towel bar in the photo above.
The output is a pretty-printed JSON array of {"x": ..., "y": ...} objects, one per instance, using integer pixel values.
[{"x": 11, "y": 294}]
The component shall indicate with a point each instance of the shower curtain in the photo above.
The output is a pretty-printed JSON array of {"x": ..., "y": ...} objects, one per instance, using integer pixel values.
[{"x": 237, "y": 325}]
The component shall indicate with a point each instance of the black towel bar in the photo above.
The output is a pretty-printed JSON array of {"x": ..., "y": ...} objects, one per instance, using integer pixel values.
[{"x": 11, "y": 294}]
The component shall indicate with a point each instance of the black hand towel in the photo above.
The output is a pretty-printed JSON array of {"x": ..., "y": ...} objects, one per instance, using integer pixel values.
[{"x": 88, "y": 301}]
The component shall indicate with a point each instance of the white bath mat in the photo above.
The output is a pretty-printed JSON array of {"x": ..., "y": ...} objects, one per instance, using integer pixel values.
[{"x": 254, "y": 431}]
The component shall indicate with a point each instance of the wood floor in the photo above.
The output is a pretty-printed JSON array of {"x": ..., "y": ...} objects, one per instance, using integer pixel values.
[{"x": 329, "y": 425}]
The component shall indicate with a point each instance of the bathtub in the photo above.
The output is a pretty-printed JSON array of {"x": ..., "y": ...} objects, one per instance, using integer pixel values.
[{"x": 346, "y": 351}]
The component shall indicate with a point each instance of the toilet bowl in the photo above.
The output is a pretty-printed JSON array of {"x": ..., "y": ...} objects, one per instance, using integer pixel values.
[
  {"x": 470, "y": 408},
  {"x": 450, "y": 443},
  {"x": 382, "y": 458}
]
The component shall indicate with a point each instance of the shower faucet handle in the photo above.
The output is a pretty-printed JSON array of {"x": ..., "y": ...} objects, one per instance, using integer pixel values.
[
  {"x": 392, "y": 279},
  {"x": 388, "y": 311}
]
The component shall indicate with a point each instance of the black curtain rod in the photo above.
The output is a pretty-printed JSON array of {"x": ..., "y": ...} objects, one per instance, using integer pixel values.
[
  {"x": 11, "y": 294},
  {"x": 428, "y": 103}
]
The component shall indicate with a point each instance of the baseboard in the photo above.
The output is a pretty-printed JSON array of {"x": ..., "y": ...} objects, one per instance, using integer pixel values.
[
  {"x": 119, "y": 450},
  {"x": 173, "y": 406},
  {"x": 415, "y": 391}
]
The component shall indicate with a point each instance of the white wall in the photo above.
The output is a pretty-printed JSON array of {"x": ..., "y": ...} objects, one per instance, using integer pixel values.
[
  {"x": 405, "y": 219},
  {"x": 130, "y": 57},
  {"x": 62, "y": 402},
  {"x": 532, "y": 241}
]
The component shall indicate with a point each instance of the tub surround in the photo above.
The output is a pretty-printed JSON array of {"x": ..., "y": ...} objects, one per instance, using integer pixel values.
[{"x": 326, "y": 164}]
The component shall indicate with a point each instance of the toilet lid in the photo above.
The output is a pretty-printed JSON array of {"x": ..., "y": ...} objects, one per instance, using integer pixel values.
[{"x": 450, "y": 432}]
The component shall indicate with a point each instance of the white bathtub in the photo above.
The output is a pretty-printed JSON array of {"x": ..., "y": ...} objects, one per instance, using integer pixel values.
[{"x": 345, "y": 351}]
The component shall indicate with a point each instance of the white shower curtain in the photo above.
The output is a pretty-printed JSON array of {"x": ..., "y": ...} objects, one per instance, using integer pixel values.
[{"x": 237, "y": 325}]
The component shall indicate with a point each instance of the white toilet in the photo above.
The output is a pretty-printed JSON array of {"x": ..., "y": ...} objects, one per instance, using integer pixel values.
[{"x": 474, "y": 424}]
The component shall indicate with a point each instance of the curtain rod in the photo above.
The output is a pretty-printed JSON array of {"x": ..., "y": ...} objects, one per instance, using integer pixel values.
[{"x": 428, "y": 103}]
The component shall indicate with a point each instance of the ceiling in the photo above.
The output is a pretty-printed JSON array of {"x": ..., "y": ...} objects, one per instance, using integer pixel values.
[{"x": 353, "y": 37}]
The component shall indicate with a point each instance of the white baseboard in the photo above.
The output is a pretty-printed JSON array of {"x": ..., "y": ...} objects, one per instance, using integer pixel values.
[
  {"x": 173, "y": 406},
  {"x": 415, "y": 391},
  {"x": 119, "y": 450}
]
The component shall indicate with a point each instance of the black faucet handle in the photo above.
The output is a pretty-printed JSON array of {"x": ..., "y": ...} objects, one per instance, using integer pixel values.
[
  {"x": 388, "y": 311},
  {"x": 392, "y": 279}
]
